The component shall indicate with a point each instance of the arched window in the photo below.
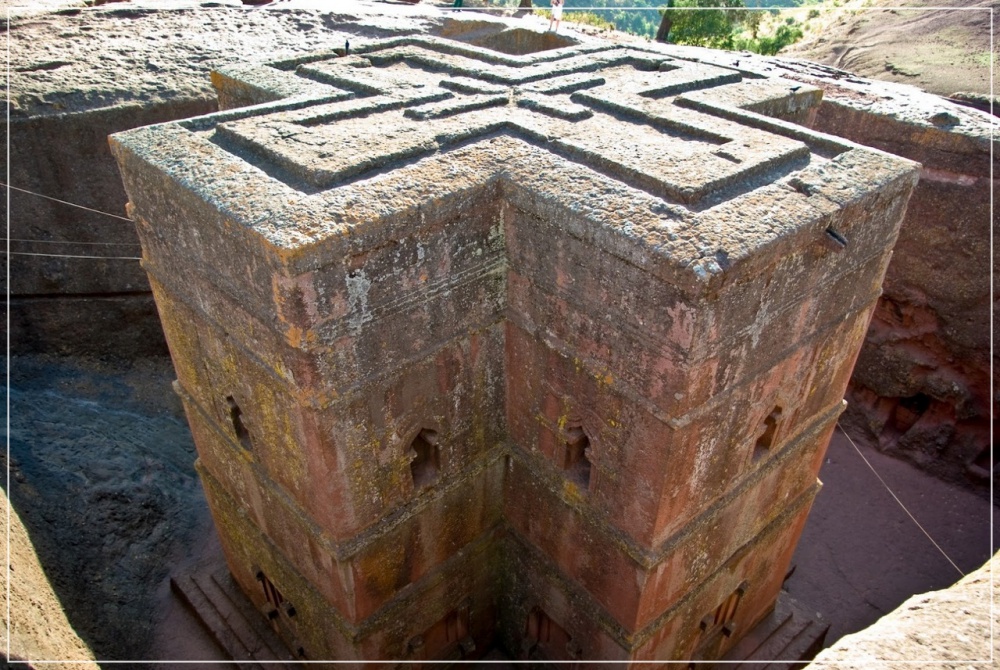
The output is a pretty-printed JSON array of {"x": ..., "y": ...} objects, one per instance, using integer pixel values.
[
  {"x": 576, "y": 460},
  {"x": 425, "y": 458},
  {"x": 235, "y": 417},
  {"x": 766, "y": 438}
]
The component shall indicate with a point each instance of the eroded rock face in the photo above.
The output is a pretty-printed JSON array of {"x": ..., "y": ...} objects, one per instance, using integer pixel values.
[
  {"x": 80, "y": 74},
  {"x": 38, "y": 628},
  {"x": 941, "y": 47},
  {"x": 492, "y": 331},
  {"x": 921, "y": 388},
  {"x": 950, "y": 629}
]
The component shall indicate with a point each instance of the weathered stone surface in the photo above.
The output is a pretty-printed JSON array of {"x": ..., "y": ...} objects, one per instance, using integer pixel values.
[
  {"x": 921, "y": 387},
  {"x": 79, "y": 74},
  {"x": 37, "y": 629},
  {"x": 941, "y": 47},
  {"x": 511, "y": 331},
  {"x": 106, "y": 517},
  {"x": 893, "y": 368},
  {"x": 120, "y": 325},
  {"x": 949, "y": 629}
]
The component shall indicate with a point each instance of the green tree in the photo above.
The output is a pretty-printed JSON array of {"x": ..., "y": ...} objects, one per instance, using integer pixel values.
[
  {"x": 706, "y": 23},
  {"x": 771, "y": 44}
]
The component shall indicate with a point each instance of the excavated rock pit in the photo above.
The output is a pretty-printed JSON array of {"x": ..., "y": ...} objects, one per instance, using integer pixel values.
[{"x": 106, "y": 433}]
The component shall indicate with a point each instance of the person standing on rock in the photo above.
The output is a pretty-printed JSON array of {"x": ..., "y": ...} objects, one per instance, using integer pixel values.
[{"x": 557, "y": 7}]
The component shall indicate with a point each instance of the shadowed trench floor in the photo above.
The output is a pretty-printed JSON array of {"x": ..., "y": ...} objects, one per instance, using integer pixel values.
[{"x": 101, "y": 474}]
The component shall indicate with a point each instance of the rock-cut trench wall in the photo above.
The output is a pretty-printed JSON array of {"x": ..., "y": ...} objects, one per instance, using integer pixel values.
[
  {"x": 78, "y": 75},
  {"x": 921, "y": 386}
]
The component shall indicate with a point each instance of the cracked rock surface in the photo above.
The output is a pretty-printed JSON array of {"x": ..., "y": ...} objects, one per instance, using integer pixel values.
[
  {"x": 151, "y": 53},
  {"x": 949, "y": 627}
]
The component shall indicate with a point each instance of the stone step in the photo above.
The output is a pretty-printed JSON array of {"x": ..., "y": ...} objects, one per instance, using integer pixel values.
[
  {"x": 192, "y": 595},
  {"x": 805, "y": 646},
  {"x": 788, "y": 633},
  {"x": 270, "y": 648},
  {"x": 230, "y": 617},
  {"x": 773, "y": 631}
]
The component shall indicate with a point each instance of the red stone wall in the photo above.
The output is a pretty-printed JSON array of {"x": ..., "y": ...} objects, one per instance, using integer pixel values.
[
  {"x": 921, "y": 387},
  {"x": 541, "y": 348}
]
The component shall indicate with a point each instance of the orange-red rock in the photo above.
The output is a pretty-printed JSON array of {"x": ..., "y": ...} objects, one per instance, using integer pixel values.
[{"x": 540, "y": 351}]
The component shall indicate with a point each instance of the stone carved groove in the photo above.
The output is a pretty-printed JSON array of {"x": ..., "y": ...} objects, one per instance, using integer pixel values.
[
  {"x": 603, "y": 224},
  {"x": 387, "y": 78}
]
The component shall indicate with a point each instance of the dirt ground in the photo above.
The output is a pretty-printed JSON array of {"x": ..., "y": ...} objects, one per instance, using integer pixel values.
[
  {"x": 861, "y": 555},
  {"x": 101, "y": 474}
]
